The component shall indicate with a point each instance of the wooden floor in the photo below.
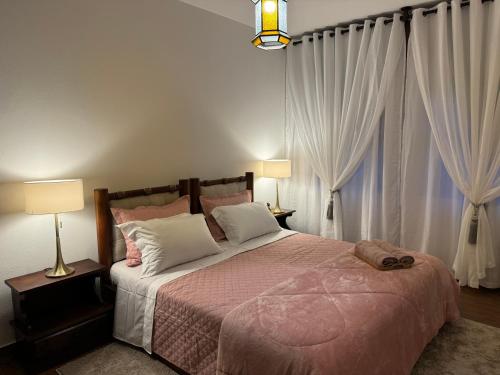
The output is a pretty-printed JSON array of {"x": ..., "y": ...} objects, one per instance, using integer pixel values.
[{"x": 481, "y": 305}]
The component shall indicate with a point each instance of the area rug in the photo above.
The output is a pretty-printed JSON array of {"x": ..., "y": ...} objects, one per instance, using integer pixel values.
[{"x": 461, "y": 348}]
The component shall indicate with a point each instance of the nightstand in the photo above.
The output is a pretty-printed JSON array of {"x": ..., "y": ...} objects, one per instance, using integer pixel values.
[
  {"x": 282, "y": 216},
  {"x": 57, "y": 319}
]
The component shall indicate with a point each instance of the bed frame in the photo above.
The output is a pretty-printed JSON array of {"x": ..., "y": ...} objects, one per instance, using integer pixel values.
[
  {"x": 195, "y": 188},
  {"x": 104, "y": 221}
]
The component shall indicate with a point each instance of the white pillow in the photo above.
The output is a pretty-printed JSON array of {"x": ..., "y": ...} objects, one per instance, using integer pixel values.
[
  {"x": 167, "y": 242},
  {"x": 245, "y": 221}
]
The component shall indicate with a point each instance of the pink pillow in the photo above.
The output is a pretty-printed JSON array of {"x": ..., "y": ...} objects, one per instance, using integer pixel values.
[
  {"x": 209, "y": 203},
  {"x": 123, "y": 215}
]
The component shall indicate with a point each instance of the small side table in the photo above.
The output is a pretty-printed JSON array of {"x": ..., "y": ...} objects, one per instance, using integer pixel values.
[
  {"x": 281, "y": 218},
  {"x": 56, "y": 319}
]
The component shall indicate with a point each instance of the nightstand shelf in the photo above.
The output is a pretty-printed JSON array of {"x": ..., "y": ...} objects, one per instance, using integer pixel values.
[
  {"x": 282, "y": 216},
  {"x": 56, "y": 319}
]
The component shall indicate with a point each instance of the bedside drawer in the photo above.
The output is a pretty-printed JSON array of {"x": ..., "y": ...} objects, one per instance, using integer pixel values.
[{"x": 71, "y": 342}]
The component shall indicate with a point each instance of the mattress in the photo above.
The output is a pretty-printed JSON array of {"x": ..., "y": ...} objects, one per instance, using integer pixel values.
[{"x": 136, "y": 297}]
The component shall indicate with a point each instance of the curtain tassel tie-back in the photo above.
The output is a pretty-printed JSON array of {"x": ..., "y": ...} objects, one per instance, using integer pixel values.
[
  {"x": 329, "y": 211},
  {"x": 474, "y": 222}
]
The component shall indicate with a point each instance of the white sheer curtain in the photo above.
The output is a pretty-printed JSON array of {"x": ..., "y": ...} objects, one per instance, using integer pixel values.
[
  {"x": 431, "y": 204},
  {"x": 456, "y": 62},
  {"x": 337, "y": 91},
  {"x": 303, "y": 190},
  {"x": 371, "y": 198}
]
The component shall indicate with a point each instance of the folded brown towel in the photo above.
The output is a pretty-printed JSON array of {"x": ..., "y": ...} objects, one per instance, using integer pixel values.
[
  {"x": 375, "y": 256},
  {"x": 405, "y": 259}
]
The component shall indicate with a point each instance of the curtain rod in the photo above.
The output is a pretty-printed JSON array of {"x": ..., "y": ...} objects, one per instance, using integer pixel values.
[{"x": 404, "y": 14}]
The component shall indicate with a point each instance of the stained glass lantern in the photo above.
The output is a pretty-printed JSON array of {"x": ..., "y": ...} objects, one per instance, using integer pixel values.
[{"x": 270, "y": 24}]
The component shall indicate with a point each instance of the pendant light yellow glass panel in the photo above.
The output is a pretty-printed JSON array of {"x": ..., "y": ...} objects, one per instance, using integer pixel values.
[
  {"x": 270, "y": 15},
  {"x": 270, "y": 24}
]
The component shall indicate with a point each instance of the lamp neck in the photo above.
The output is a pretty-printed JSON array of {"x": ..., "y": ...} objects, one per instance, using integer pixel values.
[
  {"x": 56, "y": 224},
  {"x": 60, "y": 269},
  {"x": 277, "y": 208},
  {"x": 58, "y": 240}
]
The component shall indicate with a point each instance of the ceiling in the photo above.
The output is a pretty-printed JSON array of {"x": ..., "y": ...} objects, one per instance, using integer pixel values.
[{"x": 305, "y": 15}]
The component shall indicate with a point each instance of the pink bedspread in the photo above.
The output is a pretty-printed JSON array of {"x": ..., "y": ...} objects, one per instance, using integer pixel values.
[{"x": 302, "y": 305}]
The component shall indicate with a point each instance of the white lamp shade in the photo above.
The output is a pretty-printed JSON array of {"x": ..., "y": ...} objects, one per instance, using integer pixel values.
[
  {"x": 53, "y": 197},
  {"x": 277, "y": 168}
]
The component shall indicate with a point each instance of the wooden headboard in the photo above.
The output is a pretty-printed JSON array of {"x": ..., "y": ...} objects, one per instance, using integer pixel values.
[
  {"x": 104, "y": 220},
  {"x": 195, "y": 187}
]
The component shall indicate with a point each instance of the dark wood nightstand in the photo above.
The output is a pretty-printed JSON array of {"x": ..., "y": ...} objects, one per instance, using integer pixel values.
[
  {"x": 57, "y": 319},
  {"x": 281, "y": 217}
]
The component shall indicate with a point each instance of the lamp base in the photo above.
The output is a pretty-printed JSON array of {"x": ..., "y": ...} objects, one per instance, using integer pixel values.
[
  {"x": 277, "y": 210},
  {"x": 59, "y": 270}
]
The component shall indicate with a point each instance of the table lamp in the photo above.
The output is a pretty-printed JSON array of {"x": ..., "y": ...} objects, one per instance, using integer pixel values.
[
  {"x": 54, "y": 197},
  {"x": 277, "y": 169}
]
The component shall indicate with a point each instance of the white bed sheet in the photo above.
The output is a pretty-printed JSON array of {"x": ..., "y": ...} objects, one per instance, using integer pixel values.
[{"x": 136, "y": 297}]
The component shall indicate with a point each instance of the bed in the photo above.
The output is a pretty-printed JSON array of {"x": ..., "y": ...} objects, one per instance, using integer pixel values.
[{"x": 281, "y": 303}]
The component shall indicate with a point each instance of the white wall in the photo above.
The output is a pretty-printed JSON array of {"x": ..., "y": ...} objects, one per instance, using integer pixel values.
[{"x": 124, "y": 94}]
